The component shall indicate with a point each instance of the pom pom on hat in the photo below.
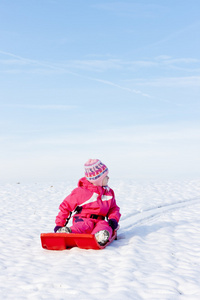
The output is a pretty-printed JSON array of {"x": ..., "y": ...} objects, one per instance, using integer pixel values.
[{"x": 95, "y": 171}]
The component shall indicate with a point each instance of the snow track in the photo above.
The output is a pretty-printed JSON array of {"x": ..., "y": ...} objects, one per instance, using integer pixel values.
[{"x": 149, "y": 215}]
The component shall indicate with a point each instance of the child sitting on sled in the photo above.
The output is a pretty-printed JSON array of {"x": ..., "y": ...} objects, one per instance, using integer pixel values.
[{"x": 92, "y": 203}]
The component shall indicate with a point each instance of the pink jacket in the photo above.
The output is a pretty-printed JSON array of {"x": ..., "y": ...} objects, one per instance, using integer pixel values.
[{"x": 89, "y": 199}]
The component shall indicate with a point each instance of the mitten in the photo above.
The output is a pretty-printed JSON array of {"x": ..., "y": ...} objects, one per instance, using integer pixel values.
[
  {"x": 113, "y": 223},
  {"x": 60, "y": 229},
  {"x": 56, "y": 228}
]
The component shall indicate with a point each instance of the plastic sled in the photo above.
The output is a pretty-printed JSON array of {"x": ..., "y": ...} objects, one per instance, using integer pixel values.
[{"x": 63, "y": 241}]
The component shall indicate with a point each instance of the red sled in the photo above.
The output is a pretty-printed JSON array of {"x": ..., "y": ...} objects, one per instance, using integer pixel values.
[{"x": 63, "y": 241}]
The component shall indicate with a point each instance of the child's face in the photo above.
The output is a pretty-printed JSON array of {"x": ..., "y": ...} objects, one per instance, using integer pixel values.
[{"x": 105, "y": 181}]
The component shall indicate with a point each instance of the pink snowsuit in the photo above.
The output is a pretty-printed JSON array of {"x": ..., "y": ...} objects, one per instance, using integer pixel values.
[{"x": 93, "y": 204}]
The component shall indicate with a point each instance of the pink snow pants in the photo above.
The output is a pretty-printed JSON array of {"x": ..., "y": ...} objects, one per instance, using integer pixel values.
[{"x": 88, "y": 225}]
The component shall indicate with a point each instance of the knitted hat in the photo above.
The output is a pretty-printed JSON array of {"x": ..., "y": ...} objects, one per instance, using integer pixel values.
[{"x": 95, "y": 171}]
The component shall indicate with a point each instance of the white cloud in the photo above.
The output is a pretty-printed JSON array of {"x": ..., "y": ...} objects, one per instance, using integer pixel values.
[
  {"x": 101, "y": 65},
  {"x": 41, "y": 107},
  {"x": 130, "y": 9},
  {"x": 188, "y": 81},
  {"x": 115, "y": 65},
  {"x": 169, "y": 60}
]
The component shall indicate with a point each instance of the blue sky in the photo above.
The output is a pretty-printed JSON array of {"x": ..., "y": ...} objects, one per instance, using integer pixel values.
[{"x": 114, "y": 80}]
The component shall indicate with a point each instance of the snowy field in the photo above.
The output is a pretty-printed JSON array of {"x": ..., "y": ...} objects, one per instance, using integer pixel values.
[{"x": 156, "y": 256}]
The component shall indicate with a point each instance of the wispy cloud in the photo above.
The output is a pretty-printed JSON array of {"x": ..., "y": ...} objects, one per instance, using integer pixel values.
[
  {"x": 188, "y": 81},
  {"x": 129, "y": 8},
  {"x": 12, "y": 62},
  {"x": 115, "y": 65},
  {"x": 19, "y": 60},
  {"x": 119, "y": 65},
  {"x": 41, "y": 107},
  {"x": 95, "y": 65},
  {"x": 108, "y": 64},
  {"x": 169, "y": 60},
  {"x": 182, "y": 63},
  {"x": 102, "y": 65},
  {"x": 175, "y": 34},
  {"x": 65, "y": 68}
]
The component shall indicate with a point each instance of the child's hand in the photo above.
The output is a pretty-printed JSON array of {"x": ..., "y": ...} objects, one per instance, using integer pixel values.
[
  {"x": 113, "y": 224},
  {"x": 56, "y": 228},
  {"x": 60, "y": 229}
]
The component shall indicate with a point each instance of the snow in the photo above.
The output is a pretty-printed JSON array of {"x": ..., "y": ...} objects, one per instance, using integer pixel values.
[{"x": 156, "y": 256}]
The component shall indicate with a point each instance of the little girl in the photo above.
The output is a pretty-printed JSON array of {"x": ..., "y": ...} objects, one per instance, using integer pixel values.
[{"x": 93, "y": 202}]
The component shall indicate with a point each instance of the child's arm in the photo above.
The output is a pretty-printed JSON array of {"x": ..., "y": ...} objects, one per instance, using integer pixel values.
[
  {"x": 114, "y": 212},
  {"x": 66, "y": 207}
]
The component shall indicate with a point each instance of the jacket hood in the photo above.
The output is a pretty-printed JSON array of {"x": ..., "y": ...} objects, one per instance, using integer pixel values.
[{"x": 84, "y": 183}]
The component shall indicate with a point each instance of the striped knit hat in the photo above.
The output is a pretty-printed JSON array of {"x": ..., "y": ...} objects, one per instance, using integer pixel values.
[{"x": 95, "y": 171}]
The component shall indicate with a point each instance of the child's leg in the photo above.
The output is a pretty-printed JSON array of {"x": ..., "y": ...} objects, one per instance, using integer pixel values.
[
  {"x": 82, "y": 225},
  {"x": 102, "y": 225}
]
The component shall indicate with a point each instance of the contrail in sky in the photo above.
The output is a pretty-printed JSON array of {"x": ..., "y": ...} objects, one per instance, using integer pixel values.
[{"x": 54, "y": 67}]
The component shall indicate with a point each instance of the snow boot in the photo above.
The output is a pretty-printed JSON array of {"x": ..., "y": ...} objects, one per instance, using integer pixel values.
[{"x": 102, "y": 237}]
